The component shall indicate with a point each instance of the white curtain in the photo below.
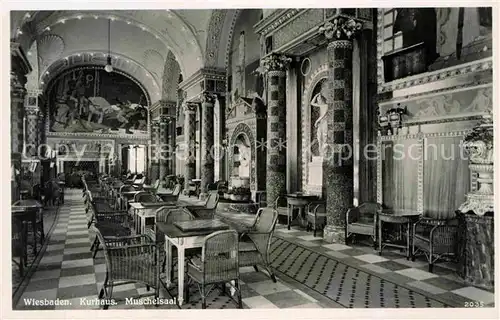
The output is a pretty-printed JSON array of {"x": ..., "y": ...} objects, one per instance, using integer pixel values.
[{"x": 131, "y": 160}]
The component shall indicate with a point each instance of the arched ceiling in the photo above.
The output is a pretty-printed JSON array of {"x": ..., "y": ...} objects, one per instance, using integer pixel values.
[{"x": 140, "y": 40}]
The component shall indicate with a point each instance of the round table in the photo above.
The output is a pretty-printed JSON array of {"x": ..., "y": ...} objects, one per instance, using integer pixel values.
[
  {"x": 401, "y": 217},
  {"x": 298, "y": 201}
]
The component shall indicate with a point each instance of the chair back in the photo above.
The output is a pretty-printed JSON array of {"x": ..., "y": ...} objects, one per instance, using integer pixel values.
[
  {"x": 219, "y": 256},
  {"x": 265, "y": 220},
  {"x": 145, "y": 197},
  {"x": 170, "y": 215},
  {"x": 156, "y": 185},
  {"x": 127, "y": 188},
  {"x": 369, "y": 208},
  {"x": 280, "y": 202},
  {"x": 177, "y": 190},
  {"x": 212, "y": 201}
]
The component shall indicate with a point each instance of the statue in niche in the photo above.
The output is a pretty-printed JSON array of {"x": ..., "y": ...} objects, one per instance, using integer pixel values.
[
  {"x": 244, "y": 157},
  {"x": 319, "y": 101}
]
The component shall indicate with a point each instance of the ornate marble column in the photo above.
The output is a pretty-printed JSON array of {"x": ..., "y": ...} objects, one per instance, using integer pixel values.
[
  {"x": 207, "y": 140},
  {"x": 275, "y": 66},
  {"x": 189, "y": 142},
  {"x": 17, "y": 95},
  {"x": 164, "y": 123},
  {"x": 155, "y": 156},
  {"x": 338, "y": 150},
  {"x": 31, "y": 139}
]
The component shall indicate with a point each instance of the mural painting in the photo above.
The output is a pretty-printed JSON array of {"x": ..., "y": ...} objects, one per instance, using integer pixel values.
[{"x": 92, "y": 100}]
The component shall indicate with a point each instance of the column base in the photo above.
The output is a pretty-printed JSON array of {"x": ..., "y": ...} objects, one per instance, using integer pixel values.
[{"x": 334, "y": 234}]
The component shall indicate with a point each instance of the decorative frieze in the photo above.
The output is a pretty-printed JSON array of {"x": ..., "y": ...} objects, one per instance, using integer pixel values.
[{"x": 341, "y": 29}]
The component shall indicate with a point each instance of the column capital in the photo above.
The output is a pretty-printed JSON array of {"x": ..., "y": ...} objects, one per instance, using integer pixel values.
[
  {"x": 189, "y": 107},
  {"x": 340, "y": 28},
  {"x": 208, "y": 98},
  {"x": 165, "y": 119},
  {"x": 31, "y": 111},
  {"x": 274, "y": 62}
]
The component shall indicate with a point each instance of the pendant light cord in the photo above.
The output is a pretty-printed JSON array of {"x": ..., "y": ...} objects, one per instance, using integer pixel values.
[{"x": 109, "y": 37}]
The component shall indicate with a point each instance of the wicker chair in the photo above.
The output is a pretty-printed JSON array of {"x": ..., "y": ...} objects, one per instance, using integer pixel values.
[
  {"x": 208, "y": 210},
  {"x": 281, "y": 206},
  {"x": 362, "y": 220},
  {"x": 145, "y": 197},
  {"x": 19, "y": 245},
  {"x": 218, "y": 265},
  {"x": 435, "y": 238},
  {"x": 172, "y": 197},
  {"x": 112, "y": 223},
  {"x": 255, "y": 251},
  {"x": 316, "y": 216},
  {"x": 132, "y": 259}
]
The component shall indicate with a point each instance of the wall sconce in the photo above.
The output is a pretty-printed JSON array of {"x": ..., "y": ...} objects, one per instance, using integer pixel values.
[
  {"x": 383, "y": 120},
  {"x": 393, "y": 117}
]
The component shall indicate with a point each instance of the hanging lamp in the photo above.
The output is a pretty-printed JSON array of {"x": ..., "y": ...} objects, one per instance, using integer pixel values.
[{"x": 109, "y": 66}]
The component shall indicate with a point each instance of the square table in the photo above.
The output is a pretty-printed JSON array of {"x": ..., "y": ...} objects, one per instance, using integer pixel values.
[
  {"x": 141, "y": 212},
  {"x": 193, "y": 237}
]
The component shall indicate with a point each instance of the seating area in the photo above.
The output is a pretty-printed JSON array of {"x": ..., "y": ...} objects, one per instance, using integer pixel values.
[{"x": 252, "y": 158}]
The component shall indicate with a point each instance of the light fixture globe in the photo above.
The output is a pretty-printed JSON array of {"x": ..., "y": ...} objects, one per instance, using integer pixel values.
[{"x": 108, "y": 67}]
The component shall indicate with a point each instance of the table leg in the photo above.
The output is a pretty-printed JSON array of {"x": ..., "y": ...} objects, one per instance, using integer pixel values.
[
  {"x": 180, "y": 274},
  {"x": 168, "y": 263},
  {"x": 408, "y": 241},
  {"x": 289, "y": 215},
  {"x": 143, "y": 224},
  {"x": 380, "y": 237}
]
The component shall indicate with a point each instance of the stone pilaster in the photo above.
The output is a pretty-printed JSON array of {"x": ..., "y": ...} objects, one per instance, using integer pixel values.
[
  {"x": 32, "y": 141},
  {"x": 275, "y": 66},
  {"x": 155, "y": 136},
  {"x": 190, "y": 142},
  {"x": 207, "y": 140},
  {"x": 338, "y": 152}
]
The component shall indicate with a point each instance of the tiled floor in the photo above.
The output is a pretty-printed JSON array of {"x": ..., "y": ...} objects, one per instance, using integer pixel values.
[{"x": 311, "y": 274}]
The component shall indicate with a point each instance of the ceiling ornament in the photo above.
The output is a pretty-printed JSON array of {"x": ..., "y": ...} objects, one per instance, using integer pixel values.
[
  {"x": 50, "y": 48},
  {"x": 214, "y": 33}
]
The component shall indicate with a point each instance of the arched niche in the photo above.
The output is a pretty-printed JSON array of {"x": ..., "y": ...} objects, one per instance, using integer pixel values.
[{"x": 242, "y": 145}]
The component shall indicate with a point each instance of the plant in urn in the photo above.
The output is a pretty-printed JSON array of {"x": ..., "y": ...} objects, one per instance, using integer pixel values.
[{"x": 479, "y": 146}]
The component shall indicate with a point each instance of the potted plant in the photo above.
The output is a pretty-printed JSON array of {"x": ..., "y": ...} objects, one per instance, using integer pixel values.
[{"x": 239, "y": 194}]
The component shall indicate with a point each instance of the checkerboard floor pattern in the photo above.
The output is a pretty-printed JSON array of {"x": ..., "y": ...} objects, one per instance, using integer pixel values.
[
  {"x": 311, "y": 274},
  {"x": 68, "y": 272}
]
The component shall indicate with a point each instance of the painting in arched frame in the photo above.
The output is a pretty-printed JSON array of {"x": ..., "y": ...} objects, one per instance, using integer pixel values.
[{"x": 90, "y": 100}]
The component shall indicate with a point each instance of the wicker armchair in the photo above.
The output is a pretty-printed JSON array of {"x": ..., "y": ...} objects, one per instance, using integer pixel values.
[
  {"x": 172, "y": 197},
  {"x": 111, "y": 223},
  {"x": 132, "y": 259},
  {"x": 208, "y": 210},
  {"x": 145, "y": 197},
  {"x": 435, "y": 238},
  {"x": 316, "y": 216},
  {"x": 362, "y": 220},
  {"x": 255, "y": 251},
  {"x": 218, "y": 265}
]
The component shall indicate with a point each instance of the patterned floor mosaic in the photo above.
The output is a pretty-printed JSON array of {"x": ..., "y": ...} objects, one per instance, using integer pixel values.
[{"x": 311, "y": 274}]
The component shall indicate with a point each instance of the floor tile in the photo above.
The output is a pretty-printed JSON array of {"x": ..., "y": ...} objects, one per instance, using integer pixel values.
[
  {"x": 476, "y": 294},
  {"x": 51, "y": 259},
  {"x": 268, "y": 287},
  {"x": 43, "y": 284},
  {"x": 69, "y": 272},
  {"x": 77, "y": 263},
  {"x": 78, "y": 240},
  {"x": 78, "y": 280},
  {"x": 286, "y": 299},
  {"x": 445, "y": 283},
  {"x": 246, "y": 269},
  {"x": 370, "y": 258},
  {"x": 309, "y": 243},
  {"x": 336, "y": 254},
  {"x": 375, "y": 268},
  {"x": 391, "y": 265},
  {"x": 308, "y": 306},
  {"x": 54, "y": 247},
  {"x": 46, "y": 274},
  {"x": 252, "y": 277},
  {"x": 259, "y": 302},
  {"x": 416, "y": 274},
  {"x": 76, "y": 292},
  {"x": 426, "y": 287},
  {"x": 409, "y": 263},
  {"x": 76, "y": 250},
  {"x": 305, "y": 295},
  {"x": 310, "y": 238},
  {"x": 337, "y": 246},
  {"x": 78, "y": 256}
]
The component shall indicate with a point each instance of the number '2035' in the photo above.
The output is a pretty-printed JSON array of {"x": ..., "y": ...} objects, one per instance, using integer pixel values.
[{"x": 473, "y": 304}]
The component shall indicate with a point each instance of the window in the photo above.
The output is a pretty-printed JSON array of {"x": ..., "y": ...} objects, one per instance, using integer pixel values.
[
  {"x": 136, "y": 159},
  {"x": 392, "y": 41}
]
